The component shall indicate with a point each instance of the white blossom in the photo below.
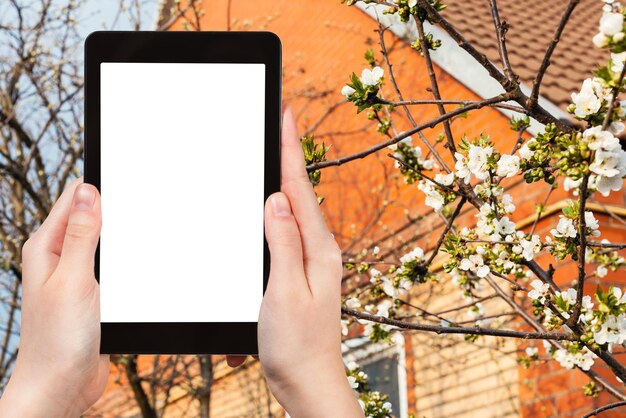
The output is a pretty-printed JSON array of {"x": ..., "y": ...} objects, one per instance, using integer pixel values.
[
  {"x": 565, "y": 228},
  {"x": 592, "y": 223},
  {"x": 609, "y": 164},
  {"x": 508, "y": 165},
  {"x": 612, "y": 330},
  {"x": 601, "y": 271},
  {"x": 347, "y": 91},
  {"x": 387, "y": 405},
  {"x": 389, "y": 288},
  {"x": 587, "y": 310},
  {"x": 539, "y": 291},
  {"x": 583, "y": 358},
  {"x": 597, "y": 139},
  {"x": 475, "y": 264},
  {"x": 600, "y": 40},
  {"x": 353, "y": 303},
  {"x": 445, "y": 179},
  {"x": 404, "y": 284},
  {"x": 569, "y": 296},
  {"x": 477, "y": 160},
  {"x": 463, "y": 171},
  {"x": 416, "y": 254},
  {"x": 372, "y": 77},
  {"x": 526, "y": 152},
  {"x": 383, "y": 308},
  {"x": 374, "y": 275},
  {"x": 352, "y": 366},
  {"x": 570, "y": 184},
  {"x": 434, "y": 199},
  {"x": 476, "y": 311},
  {"x": 507, "y": 203},
  {"x": 611, "y": 23},
  {"x": 503, "y": 227},
  {"x": 547, "y": 345},
  {"x": 617, "y": 292},
  {"x": 589, "y": 100},
  {"x": 530, "y": 247},
  {"x": 532, "y": 351},
  {"x": 408, "y": 141},
  {"x": 564, "y": 358},
  {"x": 344, "y": 327}
]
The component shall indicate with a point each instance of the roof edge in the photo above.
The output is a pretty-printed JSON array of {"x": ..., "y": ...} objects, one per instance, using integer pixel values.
[{"x": 458, "y": 63}]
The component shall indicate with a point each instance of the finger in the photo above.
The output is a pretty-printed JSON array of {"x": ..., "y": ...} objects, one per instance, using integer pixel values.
[
  {"x": 81, "y": 235},
  {"x": 320, "y": 250},
  {"x": 295, "y": 183},
  {"x": 42, "y": 252},
  {"x": 235, "y": 361},
  {"x": 283, "y": 238}
]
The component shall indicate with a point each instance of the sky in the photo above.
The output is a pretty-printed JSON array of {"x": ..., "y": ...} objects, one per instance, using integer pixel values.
[{"x": 100, "y": 15}]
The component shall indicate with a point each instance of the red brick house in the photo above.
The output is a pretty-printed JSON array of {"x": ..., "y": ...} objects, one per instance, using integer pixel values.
[{"x": 366, "y": 202}]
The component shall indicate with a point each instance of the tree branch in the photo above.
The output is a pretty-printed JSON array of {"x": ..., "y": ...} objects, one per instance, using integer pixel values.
[
  {"x": 362, "y": 154},
  {"x": 559, "y": 336}
]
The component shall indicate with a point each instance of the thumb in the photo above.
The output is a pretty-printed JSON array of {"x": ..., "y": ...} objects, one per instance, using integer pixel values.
[
  {"x": 81, "y": 233},
  {"x": 285, "y": 245}
]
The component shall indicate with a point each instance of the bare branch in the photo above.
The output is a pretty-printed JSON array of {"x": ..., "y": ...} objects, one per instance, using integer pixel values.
[{"x": 558, "y": 336}]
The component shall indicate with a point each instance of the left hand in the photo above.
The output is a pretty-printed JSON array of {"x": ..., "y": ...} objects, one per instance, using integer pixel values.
[{"x": 59, "y": 371}]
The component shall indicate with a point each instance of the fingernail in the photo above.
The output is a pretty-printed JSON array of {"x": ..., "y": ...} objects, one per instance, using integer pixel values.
[
  {"x": 280, "y": 205},
  {"x": 84, "y": 197}
]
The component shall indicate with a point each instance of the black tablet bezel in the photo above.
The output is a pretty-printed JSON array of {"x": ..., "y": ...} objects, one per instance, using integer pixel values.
[{"x": 183, "y": 47}]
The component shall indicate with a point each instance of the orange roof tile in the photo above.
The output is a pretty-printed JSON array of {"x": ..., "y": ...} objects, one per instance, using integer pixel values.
[{"x": 532, "y": 24}]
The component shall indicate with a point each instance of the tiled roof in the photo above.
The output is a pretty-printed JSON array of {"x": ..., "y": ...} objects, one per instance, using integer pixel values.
[{"x": 532, "y": 25}]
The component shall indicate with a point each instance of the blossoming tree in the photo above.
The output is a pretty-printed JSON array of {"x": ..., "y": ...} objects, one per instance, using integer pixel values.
[{"x": 577, "y": 329}]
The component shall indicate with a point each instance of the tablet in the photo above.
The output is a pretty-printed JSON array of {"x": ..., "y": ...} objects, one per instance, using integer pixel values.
[{"x": 182, "y": 134}]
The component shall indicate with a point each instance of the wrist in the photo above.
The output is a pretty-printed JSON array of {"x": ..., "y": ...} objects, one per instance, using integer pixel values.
[
  {"x": 317, "y": 395},
  {"x": 29, "y": 398}
]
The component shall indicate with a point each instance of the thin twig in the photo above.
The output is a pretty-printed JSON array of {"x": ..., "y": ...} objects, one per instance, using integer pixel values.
[
  {"x": 442, "y": 237},
  {"x": 534, "y": 95},
  {"x": 604, "y": 408},
  {"x": 501, "y": 29},
  {"x": 433, "y": 82}
]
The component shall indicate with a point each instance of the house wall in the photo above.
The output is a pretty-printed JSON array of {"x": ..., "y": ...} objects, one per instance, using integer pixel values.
[{"x": 323, "y": 43}]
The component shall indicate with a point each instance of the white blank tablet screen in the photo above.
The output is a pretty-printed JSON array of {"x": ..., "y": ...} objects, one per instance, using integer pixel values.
[{"x": 182, "y": 155}]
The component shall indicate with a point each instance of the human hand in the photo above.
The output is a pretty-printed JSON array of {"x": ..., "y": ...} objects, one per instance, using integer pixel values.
[
  {"x": 59, "y": 371},
  {"x": 299, "y": 324}
]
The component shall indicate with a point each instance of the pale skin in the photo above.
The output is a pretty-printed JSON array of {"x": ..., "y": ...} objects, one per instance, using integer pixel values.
[{"x": 59, "y": 371}]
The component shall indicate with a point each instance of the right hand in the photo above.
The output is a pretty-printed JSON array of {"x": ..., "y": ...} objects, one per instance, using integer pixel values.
[{"x": 299, "y": 324}]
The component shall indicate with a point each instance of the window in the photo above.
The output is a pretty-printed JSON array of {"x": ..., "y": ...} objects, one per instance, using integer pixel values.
[{"x": 384, "y": 366}]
